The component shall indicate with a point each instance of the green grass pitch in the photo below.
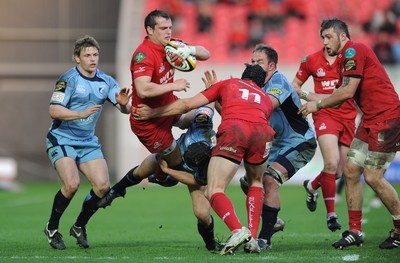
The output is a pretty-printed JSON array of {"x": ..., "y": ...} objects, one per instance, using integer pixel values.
[{"x": 156, "y": 224}]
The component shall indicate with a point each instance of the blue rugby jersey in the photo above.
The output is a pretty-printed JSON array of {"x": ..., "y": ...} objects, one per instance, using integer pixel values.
[
  {"x": 291, "y": 128},
  {"x": 77, "y": 92}
]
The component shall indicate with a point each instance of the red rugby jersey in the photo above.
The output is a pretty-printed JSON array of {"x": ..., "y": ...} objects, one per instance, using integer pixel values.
[
  {"x": 375, "y": 94},
  {"x": 241, "y": 99},
  {"x": 149, "y": 59},
  {"x": 325, "y": 77}
]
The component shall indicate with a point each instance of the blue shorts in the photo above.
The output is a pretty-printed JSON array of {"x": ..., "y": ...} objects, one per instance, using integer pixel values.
[
  {"x": 80, "y": 150},
  {"x": 293, "y": 156}
]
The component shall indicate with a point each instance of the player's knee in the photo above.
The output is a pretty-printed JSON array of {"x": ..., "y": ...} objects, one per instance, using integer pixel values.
[
  {"x": 330, "y": 166},
  {"x": 71, "y": 188}
]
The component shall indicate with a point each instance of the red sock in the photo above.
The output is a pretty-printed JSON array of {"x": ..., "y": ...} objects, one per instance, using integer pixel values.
[
  {"x": 315, "y": 184},
  {"x": 328, "y": 186},
  {"x": 254, "y": 203},
  {"x": 355, "y": 217},
  {"x": 223, "y": 207}
]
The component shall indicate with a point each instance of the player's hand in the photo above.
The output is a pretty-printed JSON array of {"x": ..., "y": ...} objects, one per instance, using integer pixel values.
[
  {"x": 185, "y": 50},
  {"x": 163, "y": 164},
  {"x": 89, "y": 111},
  {"x": 210, "y": 78},
  {"x": 123, "y": 96},
  {"x": 181, "y": 85},
  {"x": 142, "y": 112},
  {"x": 308, "y": 108}
]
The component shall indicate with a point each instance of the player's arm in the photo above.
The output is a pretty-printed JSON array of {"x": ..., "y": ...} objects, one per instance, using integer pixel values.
[
  {"x": 201, "y": 53},
  {"x": 306, "y": 95},
  {"x": 147, "y": 89},
  {"x": 297, "y": 84},
  {"x": 344, "y": 92},
  {"x": 59, "y": 112},
  {"x": 144, "y": 112},
  {"x": 181, "y": 176},
  {"x": 275, "y": 101}
]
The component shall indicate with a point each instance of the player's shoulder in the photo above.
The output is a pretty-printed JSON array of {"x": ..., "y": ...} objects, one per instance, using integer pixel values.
[
  {"x": 70, "y": 76},
  {"x": 71, "y": 73},
  {"x": 310, "y": 58},
  {"x": 104, "y": 76},
  {"x": 353, "y": 49},
  {"x": 141, "y": 54}
]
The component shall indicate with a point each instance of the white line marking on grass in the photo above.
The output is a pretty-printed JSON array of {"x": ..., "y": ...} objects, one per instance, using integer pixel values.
[
  {"x": 169, "y": 258},
  {"x": 66, "y": 257},
  {"x": 354, "y": 257}
]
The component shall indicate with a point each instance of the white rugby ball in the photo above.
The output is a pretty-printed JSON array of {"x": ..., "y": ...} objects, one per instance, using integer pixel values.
[{"x": 187, "y": 65}]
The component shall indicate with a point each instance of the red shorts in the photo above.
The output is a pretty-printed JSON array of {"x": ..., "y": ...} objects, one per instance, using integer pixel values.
[
  {"x": 239, "y": 140},
  {"x": 382, "y": 136},
  {"x": 155, "y": 134},
  {"x": 343, "y": 129}
]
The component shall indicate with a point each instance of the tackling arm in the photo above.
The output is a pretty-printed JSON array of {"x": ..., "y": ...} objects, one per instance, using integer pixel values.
[
  {"x": 147, "y": 89},
  {"x": 181, "y": 176},
  {"x": 144, "y": 112}
]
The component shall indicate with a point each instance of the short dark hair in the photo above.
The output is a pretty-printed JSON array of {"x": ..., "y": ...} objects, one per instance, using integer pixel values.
[
  {"x": 271, "y": 53},
  {"x": 255, "y": 73},
  {"x": 338, "y": 26},
  {"x": 150, "y": 19},
  {"x": 84, "y": 42},
  {"x": 198, "y": 154}
]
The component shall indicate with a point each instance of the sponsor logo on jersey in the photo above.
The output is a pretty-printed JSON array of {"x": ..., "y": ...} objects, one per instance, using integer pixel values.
[
  {"x": 60, "y": 86},
  {"x": 54, "y": 153},
  {"x": 320, "y": 73},
  {"x": 275, "y": 91},
  {"x": 80, "y": 89},
  {"x": 350, "y": 65},
  {"x": 156, "y": 145},
  {"x": 162, "y": 68},
  {"x": 350, "y": 52},
  {"x": 228, "y": 149},
  {"x": 139, "y": 57},
  {"x": 300, "y": 72},
  {"x": 57, "y": 97},
  {"x": 329, "y": 84},
  {"x": 141, "y": 69},
  {"x": 169, "y": 75},
  {"x": 267, "y": 150},
  {"x": 101, "y": 89}
]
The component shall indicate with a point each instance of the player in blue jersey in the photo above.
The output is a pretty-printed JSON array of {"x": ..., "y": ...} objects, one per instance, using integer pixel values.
[
  {"x": 294, "y": 144},
  {"x": 72, "y": 145},
  {"x": 196, "y": 145}
]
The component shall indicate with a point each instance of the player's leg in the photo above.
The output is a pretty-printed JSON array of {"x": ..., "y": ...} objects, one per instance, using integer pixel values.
[
  {"x": 330, "y": 152},
  {"x": 205, "y": 222},
  {"x": 374, "y": 177},
  {"x": 133, "y": 177},
  {"x": 220, "y": 173},
  {"x": 354, "y": 194},
  {"x": 96, "y": 171},
  {"x": 63, "y": 159}
]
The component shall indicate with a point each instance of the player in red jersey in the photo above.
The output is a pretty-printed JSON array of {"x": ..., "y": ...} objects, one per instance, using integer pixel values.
[
  {"x": 334, "y": 129},
  {"x": 153, "y": 84},
  {"x": 377, "y": 137},
  {"x": 244, "y": 134}
]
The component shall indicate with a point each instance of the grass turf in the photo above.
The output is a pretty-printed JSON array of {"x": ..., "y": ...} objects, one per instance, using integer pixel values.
[{"x": 156, "y": 224}]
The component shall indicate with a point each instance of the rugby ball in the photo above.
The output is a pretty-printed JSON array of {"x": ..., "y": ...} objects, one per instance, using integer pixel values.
[{"x": 172, "y": 48}]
